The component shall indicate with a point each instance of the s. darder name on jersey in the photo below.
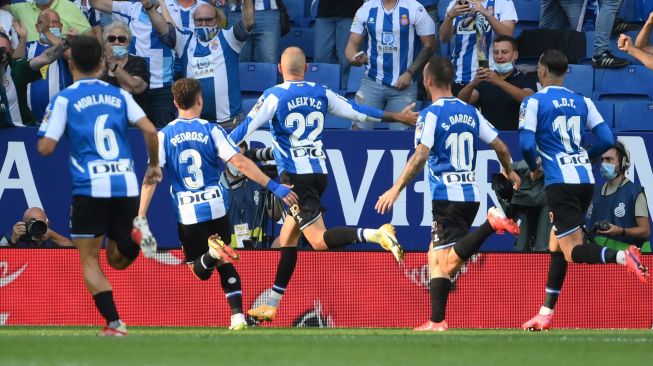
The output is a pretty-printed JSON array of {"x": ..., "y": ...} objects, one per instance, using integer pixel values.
[
  {"x": 302, "y": 101},
  {"x": 459, "y": 118},
  {"x": 189, "y": 136},
  {"x": 92, "y": 100}
]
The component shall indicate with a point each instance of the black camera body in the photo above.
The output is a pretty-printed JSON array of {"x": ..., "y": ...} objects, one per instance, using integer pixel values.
[
  {"x": 593, "y": 230},
  {"x": 36, "y": 228}
]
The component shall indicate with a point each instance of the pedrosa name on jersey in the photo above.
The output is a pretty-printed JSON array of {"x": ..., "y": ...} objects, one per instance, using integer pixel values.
[
  {"x": 189, "y": 136},
  {"x": 92, "y": 100}
]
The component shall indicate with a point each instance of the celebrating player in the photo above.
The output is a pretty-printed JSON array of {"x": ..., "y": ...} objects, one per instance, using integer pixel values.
[
  {"x": 552, "y": 123},
  {"x": 190, "y": 150},
  {"x": 296, "y": 112},
  {"x": 458, "y": 127},
  {"x": 95, "y": 116}
]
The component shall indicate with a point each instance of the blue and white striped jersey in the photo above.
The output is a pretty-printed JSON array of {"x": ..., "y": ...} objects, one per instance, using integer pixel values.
[
  {"x": 452, "y": 129},
  {"x": 146, "y": 43},
  {"x": 295, "y": 111},
  {"x": 215, "y": 65},
  {"x": 90, "y": 13},
  {"x": 190, "y": 151},
  {"x": 559, "y": 117},
  {"x": 56, "y": 77},
  {"x": 392, "y": 37},
  {"x": 258, "y": 5},
  {"x": 94, "y": 116},
  {"x": 464, "y": 51}
]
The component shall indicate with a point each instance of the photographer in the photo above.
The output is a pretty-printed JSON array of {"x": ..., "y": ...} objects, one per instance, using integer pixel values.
[
  {"x": 33, "y": 231},
  {"x": 619, "y": 213}
]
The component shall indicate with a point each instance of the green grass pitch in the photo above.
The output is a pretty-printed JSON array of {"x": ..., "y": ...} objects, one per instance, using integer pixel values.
[{"x": 312, "y": 346}]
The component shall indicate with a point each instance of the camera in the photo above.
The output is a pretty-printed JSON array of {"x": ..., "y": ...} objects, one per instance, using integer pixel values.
[
  {"x": 264, "y": 154},
  {"x": 36, "y": 228},
  {"x": 592, "y": 231},
  {"x": 503, "y": 187}
]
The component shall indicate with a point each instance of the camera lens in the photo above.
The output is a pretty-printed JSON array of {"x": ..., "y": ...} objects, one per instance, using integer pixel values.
[{"x": 37, "y": 228}]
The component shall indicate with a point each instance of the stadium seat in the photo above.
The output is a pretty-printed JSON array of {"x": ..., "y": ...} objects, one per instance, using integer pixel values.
[
  {"x": 256, "y": 77},
  {"x": 580, "y": 79},
  {"x": 629, "y": 83},
  {"x": 336, "y": 123},
  {"x": 633, "y": 116},
  {"x": 606, "y": 109},
  {"x": 632, "y": 11},
  {"x": 528, "y": 10},
  {"x": 356, "y": 74},
  {"x": 325, "y": 74},
  {"x": 300, "y": 37}
]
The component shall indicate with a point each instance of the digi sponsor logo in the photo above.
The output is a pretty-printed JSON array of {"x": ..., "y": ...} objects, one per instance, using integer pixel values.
[
  {"x": 103, "y": 168},
  {"x": 192, "y": 198}
]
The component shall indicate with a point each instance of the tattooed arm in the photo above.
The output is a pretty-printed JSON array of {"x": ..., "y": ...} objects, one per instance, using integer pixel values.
[
  {"x": 51, "y": 55},
  {"x": 413, "y": 167}
]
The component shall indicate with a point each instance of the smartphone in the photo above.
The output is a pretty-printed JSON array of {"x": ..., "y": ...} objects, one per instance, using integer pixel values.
[
  {"x": 359, "y": 54},
  {"x": 462, "y": 2},
  {"x": 484, "y": 64}
]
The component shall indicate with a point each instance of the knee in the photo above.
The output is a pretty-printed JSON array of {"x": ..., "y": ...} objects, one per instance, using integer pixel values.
[{"x": 118, "y": 264}]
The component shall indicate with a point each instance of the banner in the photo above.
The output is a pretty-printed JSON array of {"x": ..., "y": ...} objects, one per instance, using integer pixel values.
[
  {"x": 328, "y": 289},
  {"x": 362, "y": 165}
]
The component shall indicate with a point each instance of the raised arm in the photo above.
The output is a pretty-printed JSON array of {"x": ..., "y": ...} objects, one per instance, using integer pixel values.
[
  {"x": 253, "y": 172},
  {"x": 102, "y": 5},
  {"x": 341, "y": 107},
  {"x": 51, "y": 55},
  {"x": 160, "y": 24},
  {"x": 262, "y": 113}
]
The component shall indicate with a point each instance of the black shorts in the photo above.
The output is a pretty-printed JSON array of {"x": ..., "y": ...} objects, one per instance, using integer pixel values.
[
  {"x": 195, "y": 238},
  {"x": 568, "y": 204},
  {"x": 93, "y": 217},
  {"x": 309, "y": 189},
  {"x": 451, "y": 221}
]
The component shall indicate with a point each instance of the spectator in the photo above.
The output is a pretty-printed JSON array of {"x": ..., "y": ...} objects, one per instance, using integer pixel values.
[
  {"x": 17, "y": 73},
  {"x": 642, "y": 49},
  {"x": 57, "y": 76},
  {"x": 499, "y": 92},
  {"x": 391, "y": 58},
  {"x": 181, "y": 13},
  {"x": 620, "y": 202},
  {"x": 263, "y": 44},
  {"x": 123, "y": 70},
  {"x": 27, "y": 13},
  {"x": 332, "y": 32},
  {"x": 465, "y": 20},
  {"x": 93, "y": 16},
  {"x": 146, "y": 43},
  {"x": 561, "y": 14},
  {"x": 603, "y": 58},
  {"x": 6, "y": 25},
  {"x": 34, "y": 231},
  {"x": 210, "y": 54}
]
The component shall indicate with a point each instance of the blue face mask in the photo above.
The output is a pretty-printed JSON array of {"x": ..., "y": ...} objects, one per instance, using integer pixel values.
[
  {"x": 608, "y": 171},
  {"x": 205, "y": 34},
  {"x": 41, "y": 2},
  {"x": 119, "y": 51},
  {"x": 55, "y": 32},
  {"x": 503, "y": 68}
]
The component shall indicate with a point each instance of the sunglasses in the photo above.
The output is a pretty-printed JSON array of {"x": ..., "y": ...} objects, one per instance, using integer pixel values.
[
  {"x": 121, "y": 39},
  {"x": 204, "y": 20}
]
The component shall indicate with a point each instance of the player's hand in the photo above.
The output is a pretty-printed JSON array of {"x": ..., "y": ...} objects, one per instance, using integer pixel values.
[
  {"x": 514, "y": 178},
  {"x": 359, "y": 60},
  {"x": 283, "y": 192},
  {"x": 407, "y": 115},
  {"x": 153, "y": 175},
  {"x": 537, "y": 174},
  {"x": 625, "y": 43},
  {"x": 404, "y": 80},
  {"x": 20, "y": 229},
  {"x": 291, "y": 198},
  {"x": 614, "y": 230},
  {"x": 20, "y": 30},
  {"x": 386, "y": 200}
]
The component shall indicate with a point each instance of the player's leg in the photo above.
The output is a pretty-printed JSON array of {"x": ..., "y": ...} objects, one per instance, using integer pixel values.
[
  {"x": 288, "y": 238},
  {"x": 88, "y": 224},
  {"x": 122, "y": 250}
]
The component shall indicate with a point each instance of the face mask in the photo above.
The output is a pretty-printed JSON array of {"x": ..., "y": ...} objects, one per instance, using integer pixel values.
[
  {"x": 205, "y": 34},
  {"x": 608, "y": 171},
  {"x": 119, "y": 51},
  {"x": 41, "y": 2},
  {"x": 503, "y": 68},
  {"x": 55, "y": 32}
]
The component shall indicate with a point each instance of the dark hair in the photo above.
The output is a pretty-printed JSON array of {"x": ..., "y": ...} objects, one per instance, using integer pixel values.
[
  {"x": 86, "y": 53},
  {"x": 440, "y": 69},
  {"x": 186, "y": 91},
  {"x": 555, "y": 61},
  {"x": 507, "y": 38}
]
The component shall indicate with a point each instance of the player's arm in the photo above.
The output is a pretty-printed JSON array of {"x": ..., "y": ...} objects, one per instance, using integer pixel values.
[
  {"x": 527, "y": 129},
  {"x": 341, "y": 107},
  {"x": 153, "y": 173},
  {"x": 414, "y": 165},
  {"x": 262, "y": 112},
  {"x": 53, "y": 125},
  {"x": 253, "y": 172},
  {"x": 51, "y": 55},
  {"x": 148, "y": 188}
]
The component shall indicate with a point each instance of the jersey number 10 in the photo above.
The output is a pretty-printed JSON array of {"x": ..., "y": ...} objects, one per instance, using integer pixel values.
[{"x": 461, "y": 150}]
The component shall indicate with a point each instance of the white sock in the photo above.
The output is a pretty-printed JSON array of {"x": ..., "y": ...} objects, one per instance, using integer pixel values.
[
  {"x": 621, "y": 257},
  {"x": 545, "y": 311},
  {"x": 274, "y": 299},
  {"x": 238, "y": 318},
  {"x": 370, "y": 235}
]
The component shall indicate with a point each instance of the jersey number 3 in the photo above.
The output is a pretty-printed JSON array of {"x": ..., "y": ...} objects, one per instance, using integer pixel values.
[{"x": 194, "y": 160}]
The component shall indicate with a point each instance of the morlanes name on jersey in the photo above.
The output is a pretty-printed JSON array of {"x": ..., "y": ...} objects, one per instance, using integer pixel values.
[
  {"x": 92, "y": 100},
  {"x": 189, "y": 136},
  {"x": 302, "y": 101}
]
